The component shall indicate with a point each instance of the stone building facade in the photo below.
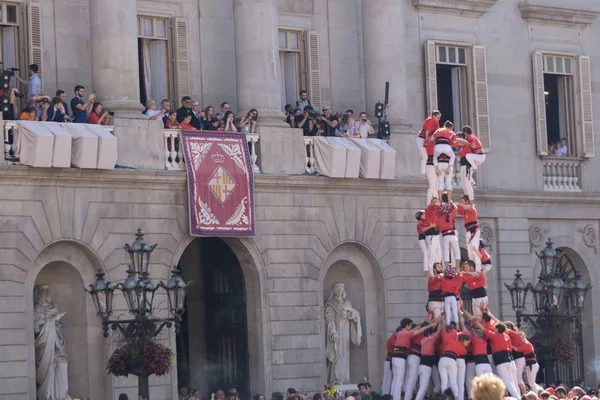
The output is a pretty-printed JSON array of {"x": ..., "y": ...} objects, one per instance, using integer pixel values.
[{"x": 522, "y": 73}]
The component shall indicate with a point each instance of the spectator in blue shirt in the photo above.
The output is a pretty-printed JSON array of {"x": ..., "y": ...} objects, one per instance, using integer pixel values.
[
  {"x": 34, "y": 86},
  {"x": 81, "y": 108}
]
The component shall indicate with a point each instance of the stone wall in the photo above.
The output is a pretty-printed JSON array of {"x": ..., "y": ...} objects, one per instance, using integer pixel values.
[{"x": 308, "y": 230}]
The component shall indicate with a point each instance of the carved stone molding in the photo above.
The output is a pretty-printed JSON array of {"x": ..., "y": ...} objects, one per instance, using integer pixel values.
[
  {"x": 569, "y": 17},
  {"x": 536, "y": 236},
  {"x": 468, "y": 8},
  {"x": 589, "y": 237},
  {"x": 487, "y": 234}
]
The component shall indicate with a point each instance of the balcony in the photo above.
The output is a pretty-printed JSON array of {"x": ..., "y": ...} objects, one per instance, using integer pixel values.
[{"x": 562, "y": 174}]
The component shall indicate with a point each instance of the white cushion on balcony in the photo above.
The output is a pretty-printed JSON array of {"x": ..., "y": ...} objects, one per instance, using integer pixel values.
[
  {"x": 34, "y": 144},
  {"x": 85, "y": 146},
  {"x": 330, "y": 157},
  {"x": 370, "y": 158},
  {"x": 61, "y": 155},
  {"x": 353, "y": 154},
  {"x": 107, "y": 146},
  {"x": 387, "y": 166}
]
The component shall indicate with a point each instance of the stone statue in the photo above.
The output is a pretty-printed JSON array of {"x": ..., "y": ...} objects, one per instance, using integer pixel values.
[
  {"x": 50, "y": 358},
  {"x": 342, "y": 324}
]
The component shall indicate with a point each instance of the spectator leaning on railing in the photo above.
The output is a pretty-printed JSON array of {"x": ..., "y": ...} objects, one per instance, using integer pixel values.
[
  {"x": 248, "y": 124},
  {"x": 55, "y": 113},
  {"x": 152, "y": 112},
  {"x": 229, "y": 122},
  {"x": 97, "y": 116},
  {"x": 209, "y": 114},
  {"x": 171, "y": 121}
]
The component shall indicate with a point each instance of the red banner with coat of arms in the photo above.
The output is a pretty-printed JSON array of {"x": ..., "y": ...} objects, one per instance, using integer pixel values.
[{"x": 220, "y": 183}]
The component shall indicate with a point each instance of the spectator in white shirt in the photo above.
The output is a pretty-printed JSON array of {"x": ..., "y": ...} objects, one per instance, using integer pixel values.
[
  {"x": 350, "y": 131},
  {"x": 365, "y": 128},
  {"x": 34, "y": 85},
  {"x": 152, "y": 112},
  {"x": 562, "y": 150}
]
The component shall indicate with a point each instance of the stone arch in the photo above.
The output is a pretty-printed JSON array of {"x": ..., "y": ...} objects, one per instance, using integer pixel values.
[
  {"x": 257, "y": 308},
  {"x": 57, "y": 262},
  {"x": 354, "y": 261},
  {"x": 581, "y": 261}
]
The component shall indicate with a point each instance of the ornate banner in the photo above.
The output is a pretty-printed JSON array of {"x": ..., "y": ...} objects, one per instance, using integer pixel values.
[{"x": 220, "y": 183}]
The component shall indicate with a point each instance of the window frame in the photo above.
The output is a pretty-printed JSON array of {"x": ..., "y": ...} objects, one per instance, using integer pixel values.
[
  {"x": 301, "y": 78},
  {"x": 4, "y": 7}
]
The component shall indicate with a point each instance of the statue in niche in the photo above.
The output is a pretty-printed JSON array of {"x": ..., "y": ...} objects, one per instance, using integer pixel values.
[
  {"x": 50, "y": 358},
  {"x": 342, "y": 325}
]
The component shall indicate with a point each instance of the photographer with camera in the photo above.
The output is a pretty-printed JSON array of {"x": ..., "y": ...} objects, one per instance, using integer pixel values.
[
  {"x": 248, "y": 124},
  {"x": 328, "y": 123},
  {"x": 307, "y": 122},
  {"x": 81, "y": 108},
  {"x": 365, "y": 128},
  {"x": 97, "y": 116}
]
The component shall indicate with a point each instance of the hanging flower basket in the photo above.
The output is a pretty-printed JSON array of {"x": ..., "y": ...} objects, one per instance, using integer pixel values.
[{"x": 147, "y": 357}]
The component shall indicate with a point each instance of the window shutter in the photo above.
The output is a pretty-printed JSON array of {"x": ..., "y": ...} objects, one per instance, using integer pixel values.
[
  {"x": 431, "y": 77},
  {"x": 540, "y": 103},
  {"x": 482, "y": 108},
  {"x": 181, "y": 67},
  {"x": 313, "y": 67},
  {"x": 34, "y": 37},
  {"x": 587, "y": 119}
]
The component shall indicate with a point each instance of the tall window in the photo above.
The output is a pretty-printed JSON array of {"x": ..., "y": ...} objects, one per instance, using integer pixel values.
[
  {"x": 153, "y": 46},
  {"x": 451, "y": 71},
  {"x": 559, "y": 97},
  {"x": 9, "y": 25},
  {"x": 291, "y": 60}
]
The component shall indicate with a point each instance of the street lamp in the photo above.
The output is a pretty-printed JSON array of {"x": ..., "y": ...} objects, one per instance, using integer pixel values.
[
  {"x": 518, "y": 294},
  {"x": 138, "y": 291}
]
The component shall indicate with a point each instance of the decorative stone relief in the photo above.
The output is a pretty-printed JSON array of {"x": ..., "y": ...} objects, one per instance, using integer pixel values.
[
  {"x": 570, "y": 17},
  {"x": 468, "y": 8},
  {"x": 487, "y": 234},
  {"x": 536, "y": 236},
  {"x": 589, "y": 237}
]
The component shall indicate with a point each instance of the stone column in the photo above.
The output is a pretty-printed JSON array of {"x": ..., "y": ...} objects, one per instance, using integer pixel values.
[
  {"x": 384, "y": 58},
  {"x": 114, "y": 48},
  {"x": 258, "y": 73}
]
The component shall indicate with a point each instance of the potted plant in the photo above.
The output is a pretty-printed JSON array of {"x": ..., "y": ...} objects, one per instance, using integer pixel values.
[{"x": 143, "y": 357}]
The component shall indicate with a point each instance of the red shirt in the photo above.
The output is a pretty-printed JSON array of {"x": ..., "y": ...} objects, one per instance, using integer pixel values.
[
  {"x": 390, "y": 346},
  {"x": 484, "y": 255},
  {"x": 499, "y": 341},
  {"x": 464, "y": 150},
  {"x": 477, "y": 148},
  {"x": 171, "y": 125},
  {"x": 428, "y": 344},
  {"x": 469, "y": 217},
  {"x": 444, "y": 136},
  {"x": 448, "y": 221},
  {"x": 431, "y": 214},
  {"x": 515, "y": 339},
  {"x": 434, "y": 284},
  {"x": 403, "y": 341},
  {"x": 94, "y": 118},
  {"x": 450, "y": 343},
  {"x": 479, "y": 346},
  {"x": 415, "y": 344},
  {"x": 452, "y": 285},
  {"x": 473, "y": 282},
  {"x": 422, "y": 226},
  {"x": 525, "y": 347},
  {"x": 429, "y": 147},
  {"x": 429, "y": 125},
  {"x": 189, "y": 127}
]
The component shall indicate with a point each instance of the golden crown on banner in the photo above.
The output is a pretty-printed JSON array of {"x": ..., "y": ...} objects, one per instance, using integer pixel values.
[
  {"x": 43, "y": 285},
  {"x": 218, "y": 158}
]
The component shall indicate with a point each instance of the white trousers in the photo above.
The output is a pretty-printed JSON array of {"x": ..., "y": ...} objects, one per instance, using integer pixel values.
[
  {"x": 461, "y": 371},
  {"x": 443, "y": 149},
  {"x": 424, "y": 378},
  {"x": 478, "y": 305},
  {"x": 422, "y": 153},
  {"x": 425, "y": 251},
  {"x": 450, "y": 245},
  {"x": 386, "y": 385},
  {"x": 412, "y": 375},
  {"x": 437, "y": 307},
  {"x": 448, "y": 374},
  {"x": 398, "y": 370},
  {"x": 520, "y": 364},
  {"x": 481, "y": 369},
  {"x": 465, "y": 182},
  {"x": 432, "y": 182},
  {"x": 451, "y": 310},
  {"x": 506, "y": 372},
  {"x": 469, "y": 375},
  {"x": 473, "y": 240},
  {"x": 436, "y": 380},
  {"x": 531, "y": 372},
  {"x": 475, "y": 160},
  {"x": 491, "y": 360},
  {"x": 445, "y": 179},
  {"x": 434, "y": 250}
]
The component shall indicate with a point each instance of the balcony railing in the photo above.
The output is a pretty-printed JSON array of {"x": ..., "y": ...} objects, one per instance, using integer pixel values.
[
  {"x": 174, "y": 151},
  {"x": 562, "y": 174}
]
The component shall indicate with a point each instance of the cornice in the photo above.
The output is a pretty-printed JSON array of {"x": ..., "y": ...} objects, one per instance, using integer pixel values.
[
  {"x": 539, "y": 14},
  {"x": 467, "y": 8}
]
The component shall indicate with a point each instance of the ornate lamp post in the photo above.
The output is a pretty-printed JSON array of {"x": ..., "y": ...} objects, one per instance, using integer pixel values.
[
  {"x": 138, "y": 291},
  {"x": 558, "y": 298}
]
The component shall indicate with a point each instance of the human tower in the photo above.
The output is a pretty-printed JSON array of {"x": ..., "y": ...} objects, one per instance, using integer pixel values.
[{"x": 451, "y": 346}]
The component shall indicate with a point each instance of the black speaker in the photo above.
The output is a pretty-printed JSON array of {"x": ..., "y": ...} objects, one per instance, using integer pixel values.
[{"x": 379, "y": 110}]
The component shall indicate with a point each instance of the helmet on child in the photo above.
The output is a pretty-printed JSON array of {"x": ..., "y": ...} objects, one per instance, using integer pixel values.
[
  {"x": 419, "y": 214},
  {"x": 482, "y": 243}
]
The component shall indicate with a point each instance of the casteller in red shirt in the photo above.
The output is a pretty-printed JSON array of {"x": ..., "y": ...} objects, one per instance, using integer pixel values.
[
  {"x": 445, "y": 136},
  {"x": 390, "y": 346},
  {"x": 469, "y": 217},
  {"x": 475, "y": 144},
  {"x": 452, "y": 286},
  {"x": 447, "y": 222},
  {"x": 429, "y": 125}
]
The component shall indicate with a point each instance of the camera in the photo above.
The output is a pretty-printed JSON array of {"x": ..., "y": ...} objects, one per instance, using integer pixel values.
[
  {"x": 111, "y": 113},
  {"x": 11, "y": 71},
  {"x": 313, "y": 114},
  {"x": 19, "y": 95},
  {"x": 254, "y": 117}
]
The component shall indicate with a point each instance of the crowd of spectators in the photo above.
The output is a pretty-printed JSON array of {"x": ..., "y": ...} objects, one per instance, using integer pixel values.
[{"x": 363, "y": 392}]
